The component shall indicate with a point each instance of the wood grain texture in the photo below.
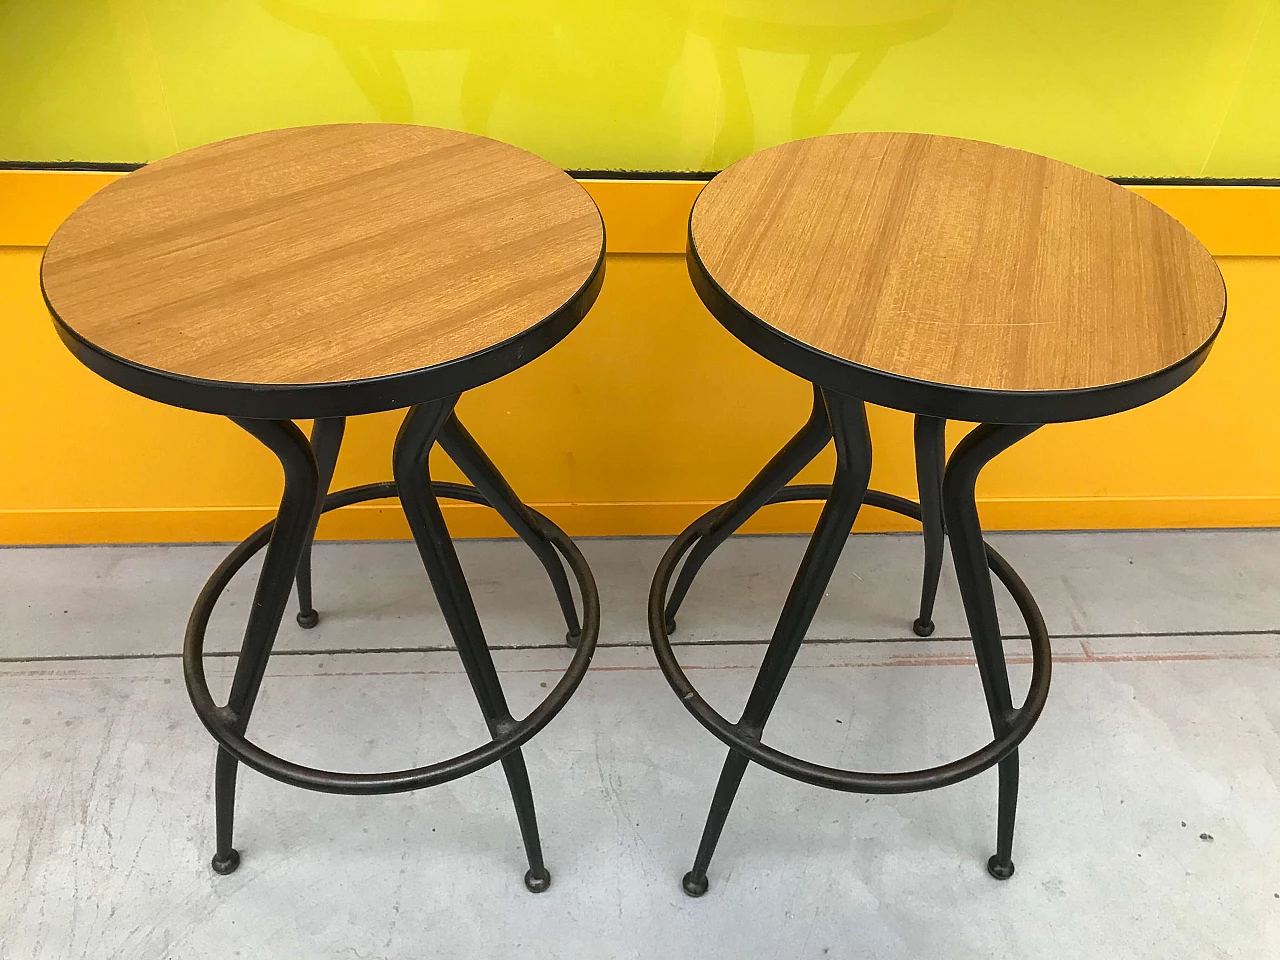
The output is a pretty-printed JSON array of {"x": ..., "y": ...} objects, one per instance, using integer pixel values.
[
  {"x": 957, "y": 262},
  {"x": 323, "y": 254}
]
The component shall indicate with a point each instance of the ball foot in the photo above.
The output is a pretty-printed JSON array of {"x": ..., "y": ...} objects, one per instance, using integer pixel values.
[
  {"x": 694, "y": 885},
  {"x": 308, "y": 619},
  {"x": 537, "y": 882},
  {"x": 1001, "y": 870},
  {"x": 671, "y": 626},
  {"x": 227, "y": 864},
  {"x": 571, "y": 639},
  {"x": 922, "y": 628}
]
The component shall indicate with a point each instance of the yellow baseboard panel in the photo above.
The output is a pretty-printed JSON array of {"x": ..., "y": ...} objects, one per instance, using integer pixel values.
[
  {"x": 386, "y": 522},
  {"x": 652, "y": 216},
  {"x": 34, "y": 202},
  {"x": 645, "y": 417}
]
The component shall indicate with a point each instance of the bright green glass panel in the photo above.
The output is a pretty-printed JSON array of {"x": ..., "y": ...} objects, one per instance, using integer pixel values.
[{"x": 1141, "y": 88}]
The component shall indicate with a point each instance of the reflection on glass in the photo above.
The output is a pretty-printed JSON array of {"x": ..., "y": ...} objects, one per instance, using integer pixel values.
[
  {"x": 367, "y": 36},
  {"x": 1148, "y": 87},
  {"x": 554, "y": 61},
  {"x": 614, "y": 61},
  {"x": 853, "y": 36}
]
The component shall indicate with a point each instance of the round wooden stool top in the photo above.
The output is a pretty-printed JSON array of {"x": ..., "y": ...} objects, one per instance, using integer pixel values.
[
  {"x": 325, "y": 271},
  {"x": 954, "y": 278}
]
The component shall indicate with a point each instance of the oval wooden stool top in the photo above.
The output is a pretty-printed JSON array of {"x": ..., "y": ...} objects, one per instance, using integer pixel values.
[
  {"x": 954, "y": 278},
  {"x": 325, "y": 271}
]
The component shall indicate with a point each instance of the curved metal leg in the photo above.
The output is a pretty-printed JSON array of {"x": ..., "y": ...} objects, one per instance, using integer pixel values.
[
  {"x": 853, "y": 473},
  {"x": 777, "y": 473},
  {"x": 931, "y": 456},
  {"x": 420, "y": 429},
  {"x": 326, "y": 441},
  {"x": 479, "y": 469},
  {"x": 969, "y": 553},
  {"x": 295, "y": 522}
]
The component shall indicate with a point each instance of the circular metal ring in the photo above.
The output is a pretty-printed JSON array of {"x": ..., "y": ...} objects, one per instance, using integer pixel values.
[
  {"x": 834, "y": 778},
  {"x": 216, "y": 720}
]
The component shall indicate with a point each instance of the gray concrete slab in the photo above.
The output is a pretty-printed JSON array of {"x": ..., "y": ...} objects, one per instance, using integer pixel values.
[
  {"x": 106, "y": 814},
  {"x": 1161, "y": 728},
  {"x": 108, "y": 601}
]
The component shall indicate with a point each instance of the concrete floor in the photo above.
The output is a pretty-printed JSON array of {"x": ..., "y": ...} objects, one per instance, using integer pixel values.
[{"x": 1149, "y": 823}]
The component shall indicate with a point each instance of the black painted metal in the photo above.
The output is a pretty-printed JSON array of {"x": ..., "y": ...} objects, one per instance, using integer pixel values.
[
  {"x": 479, "y": 469},
  {"x": 337, "y": 398},
  {"x": 853, "y": 471},
  {"x": 326, "y": 441},
  {"x": 742, "y": 741},
  {"x": 931, "y": 459},
  {"x": 285, "y": 539},
  {"x": 777, "y": 473},
  {"x": 945, "y": 401},
  {"x": 288, "y": 539},
  {"x": 405, "y": 780},
  {"x": 418, "y": 433},
  {"x": 968, "y": 553}
]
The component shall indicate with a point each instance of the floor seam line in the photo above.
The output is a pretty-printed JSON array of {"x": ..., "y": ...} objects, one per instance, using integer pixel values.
[{"x": 638, "y": 645}]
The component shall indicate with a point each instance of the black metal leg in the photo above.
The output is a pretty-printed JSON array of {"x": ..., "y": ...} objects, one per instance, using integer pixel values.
[
  {"x": 479, "y": 469},
  {"x": 931, "y": 456},
  {"x": 326, "y": 441},
  {"x": 421, "y": 428},
  {"x": 970, "y": 556},
  {"x": 853, "y": 473},
  {"x": 293, "y": 527},
  {"x": 777, "y": 473}
]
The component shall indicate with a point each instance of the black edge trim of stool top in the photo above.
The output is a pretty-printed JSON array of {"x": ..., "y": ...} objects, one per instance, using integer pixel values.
[
  {"x": 342, "y": 398},
  {"x": 947, "y": 401}
]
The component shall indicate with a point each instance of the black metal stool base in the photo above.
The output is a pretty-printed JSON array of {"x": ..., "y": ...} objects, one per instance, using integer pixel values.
[
  {"x": 227, "y": 864},
  {"x": 287, "y": 541},
  {"x": 999, "y": 870},
  {"x": 538, "y": 882},
  {"x": 308, "y": 618},
  {"x": 744, "y": 741},
  {"x": 402, "y": 781},
  {"x": 695, "y": 885}
]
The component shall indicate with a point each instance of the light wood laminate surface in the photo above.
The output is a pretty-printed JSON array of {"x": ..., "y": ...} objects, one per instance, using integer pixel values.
[
  {"x": 323, "y": 254},
  {"x": 957, "y": 262}
]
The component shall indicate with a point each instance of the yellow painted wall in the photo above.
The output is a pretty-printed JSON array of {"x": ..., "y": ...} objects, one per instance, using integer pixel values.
[
  {"x": 644, "y": 417},
  {"x": 1133, "y": 88}
]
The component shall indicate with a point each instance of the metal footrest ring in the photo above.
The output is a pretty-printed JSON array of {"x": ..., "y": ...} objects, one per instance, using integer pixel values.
[
  {"x": 833, "y": 778},
  {"x": 217, "y": 723}
]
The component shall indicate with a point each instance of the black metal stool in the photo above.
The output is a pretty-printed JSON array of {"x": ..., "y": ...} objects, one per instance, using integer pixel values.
[
  {"x": 320, "y": 273},
  {"x": 954, "y": 280}
]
